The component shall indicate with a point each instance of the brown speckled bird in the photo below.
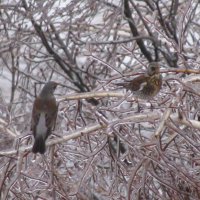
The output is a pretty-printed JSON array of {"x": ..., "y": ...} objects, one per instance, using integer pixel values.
[
  {"x": 145, "y": 86},
  {"x": 44, "y": 115}
]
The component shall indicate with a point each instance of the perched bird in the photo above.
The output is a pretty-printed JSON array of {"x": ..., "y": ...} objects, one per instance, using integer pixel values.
[
  {"x": 145, "y": 86},
  {"x": 44, "y": 115}
]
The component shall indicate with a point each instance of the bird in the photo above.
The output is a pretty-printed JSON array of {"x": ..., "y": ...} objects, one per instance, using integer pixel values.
[
  {"x": 44, "y": 115},
  {"x": 147, "y": 85}
]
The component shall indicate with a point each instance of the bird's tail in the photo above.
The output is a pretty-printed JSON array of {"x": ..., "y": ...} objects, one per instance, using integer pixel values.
[{"x": 39, "y": 145}]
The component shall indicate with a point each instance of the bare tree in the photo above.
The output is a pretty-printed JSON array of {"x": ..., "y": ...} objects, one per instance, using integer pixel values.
[{"x": 107, "y": 144}]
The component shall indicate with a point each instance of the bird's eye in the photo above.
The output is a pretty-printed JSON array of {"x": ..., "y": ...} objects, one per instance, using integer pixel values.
[{"x": 153, "y": 68}]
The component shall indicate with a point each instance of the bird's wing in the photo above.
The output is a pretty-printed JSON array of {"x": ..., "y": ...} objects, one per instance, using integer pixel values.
[
  {"x": 51, "y": 116},
  {"x": 135, "y": 84},
  {"x": 55, "y": 117},
  {"x": 35, "y": 116}
]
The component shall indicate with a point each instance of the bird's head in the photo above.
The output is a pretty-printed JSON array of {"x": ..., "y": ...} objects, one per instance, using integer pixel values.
[
  {"x": 153, "y": 68},
  {"x": 48, "y": 88}
]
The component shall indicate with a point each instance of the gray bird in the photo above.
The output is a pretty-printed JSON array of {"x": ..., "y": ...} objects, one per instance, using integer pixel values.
[{"x": 44, "y": 115}]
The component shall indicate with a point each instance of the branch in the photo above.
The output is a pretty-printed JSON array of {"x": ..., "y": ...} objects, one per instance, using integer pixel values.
[
  {"x": 70, "y": 69},
  {"x": 127, "y": 13},
  {"x": 88, "y": 95},
  {"x": 91, "y": 129}
]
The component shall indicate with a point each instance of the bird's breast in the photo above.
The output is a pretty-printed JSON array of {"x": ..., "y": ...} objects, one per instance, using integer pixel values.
[
  {"x": 43, "y": 105},
  {"x": 41, "y": 127}
]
